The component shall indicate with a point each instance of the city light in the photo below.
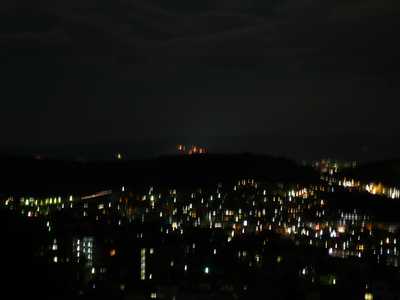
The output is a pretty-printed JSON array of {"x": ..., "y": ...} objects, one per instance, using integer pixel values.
[
  {"x": 295, "y": 213},
  {"x": 143, "y": 264},
  {"x": 368, "y": 296}
]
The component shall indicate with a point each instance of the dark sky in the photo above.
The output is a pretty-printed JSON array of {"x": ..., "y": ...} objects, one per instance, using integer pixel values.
[{"x": 88, "y": 72}]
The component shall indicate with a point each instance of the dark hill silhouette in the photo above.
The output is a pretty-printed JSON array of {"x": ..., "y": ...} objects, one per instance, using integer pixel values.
[
  {"x": 387, "y": 172},
  {"x": 30, "y": 175}
]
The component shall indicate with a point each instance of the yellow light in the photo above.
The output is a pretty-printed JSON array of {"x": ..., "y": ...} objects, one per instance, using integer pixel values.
[
  {"x": 368, "y": 296},
  {"x": 113, "y": 252}
]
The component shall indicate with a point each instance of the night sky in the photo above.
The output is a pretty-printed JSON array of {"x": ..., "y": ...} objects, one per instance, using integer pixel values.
[{"x": 265, "y": 76}]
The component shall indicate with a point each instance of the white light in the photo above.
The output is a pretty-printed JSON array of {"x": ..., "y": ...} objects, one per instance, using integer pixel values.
[{"x": 143, "y": 265}]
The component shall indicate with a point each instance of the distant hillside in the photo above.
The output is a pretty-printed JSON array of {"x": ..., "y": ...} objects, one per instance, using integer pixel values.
[
  {"x": 29, "y": 175},
  {"x": 387, "y": 172},
  {"x": 382, "y": 209}
]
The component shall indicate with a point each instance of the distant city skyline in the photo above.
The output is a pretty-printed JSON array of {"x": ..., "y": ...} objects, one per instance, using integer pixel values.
[{"x": 200, "y": 149}]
